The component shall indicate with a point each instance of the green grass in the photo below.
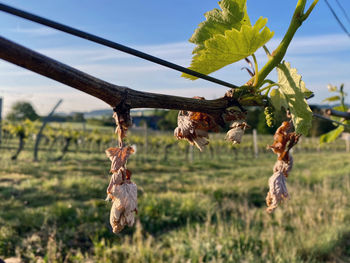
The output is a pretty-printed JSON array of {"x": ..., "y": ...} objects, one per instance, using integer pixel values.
[{"x": 210, "y": 210}]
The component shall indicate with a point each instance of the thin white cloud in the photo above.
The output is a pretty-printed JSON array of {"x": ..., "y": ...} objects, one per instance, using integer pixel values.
[
  {"x": 119, "y": 69},
  {"x": 183, "y": 50},
  {"x": 317, "y": 44},
  {"x": 180, "y": 52},
  {"x": 35, "y": 31}
]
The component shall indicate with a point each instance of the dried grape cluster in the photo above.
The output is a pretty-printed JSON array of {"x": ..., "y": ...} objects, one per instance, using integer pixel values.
[
  {"x": 121, "y": 190},
  {"x": 284, "y": 139},
  {"x": 236, "y": 131},
  {"x": 194, "y": 126}
]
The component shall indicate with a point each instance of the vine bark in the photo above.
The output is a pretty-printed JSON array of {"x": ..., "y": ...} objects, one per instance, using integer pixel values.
[{"x": 113, "y": 95}]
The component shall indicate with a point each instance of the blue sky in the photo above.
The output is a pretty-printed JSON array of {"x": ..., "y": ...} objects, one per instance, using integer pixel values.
[{"x": 320, "y": 50}]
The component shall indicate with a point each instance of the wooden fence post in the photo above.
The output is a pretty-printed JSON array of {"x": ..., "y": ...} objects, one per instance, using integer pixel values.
[
  {"x": 0, "y": 120},
  {"x": 39, "y": 135},
  {"x": 255, "y": 143},
  {"x": 346, "y": 138},
  {"x": 146, "y": 137}
]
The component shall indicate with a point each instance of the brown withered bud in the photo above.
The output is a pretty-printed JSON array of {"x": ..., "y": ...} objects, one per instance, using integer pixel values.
[
  {"x": 118, "y": 156},
  {"x": 284, "y": 140},
  {"x": 285, "y": 166},
  {"x": 186, "y": 130},
  {"x": 123, "y": 122},
  {"x": 121, "y": 190},
  {"x": 124, "y": 206},
  {"x": 236, "y": 131},
  {"x": 278, "y": 191},
  {"x": 237, "y": 127},
  {"x": 117, "y": 178},
  {"x": 194, "y": 127}
]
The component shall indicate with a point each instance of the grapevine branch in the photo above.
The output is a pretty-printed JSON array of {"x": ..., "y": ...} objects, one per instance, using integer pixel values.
[
  {"x": 115, "y": 96},
  {"x": 327, "y": 119},
  {"x": 112, "y": 94},
  {"x": 345, "y": 115}
]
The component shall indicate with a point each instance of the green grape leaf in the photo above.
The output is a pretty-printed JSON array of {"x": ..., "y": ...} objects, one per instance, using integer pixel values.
[
  {"x": 333, "y": 98},
  {"x": 278, "y": 100},
  {"x": 332, "y": 88},
  {"x": 341, "y": 108},
  {"x": 233, "y": 15},
  {"x": 234, "y": 45},
  {"x": 332, "y": 135},
  {"x": 307, "y": 92},
  {"x": 290, "y": 84}
]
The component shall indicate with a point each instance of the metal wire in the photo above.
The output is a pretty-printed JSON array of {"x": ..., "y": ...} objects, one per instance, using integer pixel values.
[
  {"x": 108, "y": 43},
  {"x": 327, "y": 119},
  {"x": 343, "y": 10},
  {"x": 337, "y": 18}
]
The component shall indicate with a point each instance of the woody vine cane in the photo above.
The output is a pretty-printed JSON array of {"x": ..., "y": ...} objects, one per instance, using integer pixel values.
[{"x": 121, "y": 190}]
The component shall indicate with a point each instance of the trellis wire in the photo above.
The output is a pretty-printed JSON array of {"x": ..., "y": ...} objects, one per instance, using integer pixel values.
[
  {"x": 326, "y": 119},
  {"x": 108, "y": 43}
]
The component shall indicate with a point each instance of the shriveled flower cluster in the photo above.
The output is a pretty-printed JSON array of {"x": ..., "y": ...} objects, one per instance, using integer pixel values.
[
  {"x": 237, "y": 127},
  {"x": 194, "y": 127},
  {"x": 123, "y": 122},
  {"x": 121, "y": 190},
  {"x": 284, "y": 140},
  {"x": 236, "y": 132}
]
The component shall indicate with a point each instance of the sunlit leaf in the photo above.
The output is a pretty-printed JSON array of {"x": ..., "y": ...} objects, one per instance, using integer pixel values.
[
  {"x": 332, "y": 88},
  {"x": 233, "y": 15},
  {"x": 341, "y": 108},
  {"x": 278, "y": 100},
  {"x": 332, "y": 135},
  {"x": 307, "y": 92},
  {"x": 234, "y": 45},
  {"x": 333, "y": 98},
  {"x": 290, "y": 84}
]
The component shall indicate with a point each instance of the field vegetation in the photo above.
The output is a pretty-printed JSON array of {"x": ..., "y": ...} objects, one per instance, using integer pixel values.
[{"x": 207, "y": 208}]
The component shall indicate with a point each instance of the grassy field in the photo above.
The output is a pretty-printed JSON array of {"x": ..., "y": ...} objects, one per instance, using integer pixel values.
[{"x": 210, "y": 210}]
